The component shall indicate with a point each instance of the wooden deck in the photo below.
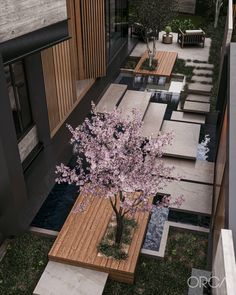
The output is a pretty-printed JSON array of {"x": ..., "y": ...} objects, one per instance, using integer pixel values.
[
  {"x": 166, "y": 62},
  {"x": 77, "y": 242}
]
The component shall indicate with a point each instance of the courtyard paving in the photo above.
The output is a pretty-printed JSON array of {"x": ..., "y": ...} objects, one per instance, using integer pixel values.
[{"x": 186, "y": 53}]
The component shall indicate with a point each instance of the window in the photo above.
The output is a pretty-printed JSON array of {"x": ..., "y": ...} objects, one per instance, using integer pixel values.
[
  {"x": 19, "y": 99},
  {"x": 116, "y": 25}
]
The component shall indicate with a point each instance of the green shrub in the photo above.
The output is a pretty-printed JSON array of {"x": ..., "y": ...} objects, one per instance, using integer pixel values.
[
  {"x": 145, "y": 65},
  {"x": 185, "y": 24},
  {"x": 168, "y": 30}
]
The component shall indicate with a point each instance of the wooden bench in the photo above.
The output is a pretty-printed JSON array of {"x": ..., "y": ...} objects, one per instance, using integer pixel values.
[{"x": 190, "y": 37}]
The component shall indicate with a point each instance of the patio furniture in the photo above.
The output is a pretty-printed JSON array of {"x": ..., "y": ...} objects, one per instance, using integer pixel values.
[
  {"x": 167, "y": 38},
  {"x": 191, "y": 37}
]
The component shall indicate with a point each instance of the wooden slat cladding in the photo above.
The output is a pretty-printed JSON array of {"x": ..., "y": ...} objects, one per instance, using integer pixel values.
[
  {"x": 93, "y": 35},
  {"x": 59, "y": 84},
  {"x": 77, "y": 241},
  {"x": 73, "y": 44},
  {"x": 50, "y": 88},
  {"x": 20, "y": 17},
  {"x": 64, "y": 80}
]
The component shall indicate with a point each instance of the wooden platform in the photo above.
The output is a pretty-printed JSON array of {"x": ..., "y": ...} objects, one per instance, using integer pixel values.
[
  {"x": 166, "y": 62},
  {"x": 132, "y": 99},
  {"x": 77, "y": 241},
  {"x": 153, "y": 119},
  {"x": 111, "y": 98}
]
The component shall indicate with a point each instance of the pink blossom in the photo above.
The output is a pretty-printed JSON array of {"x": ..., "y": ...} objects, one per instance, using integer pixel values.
[{"x": 121, "y": 165}]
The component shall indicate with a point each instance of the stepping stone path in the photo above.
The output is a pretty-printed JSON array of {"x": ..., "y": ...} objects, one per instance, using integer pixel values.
[
  {"x": 199, "y": 65},
  {"x": 198, "y": 98},
  {"x": 186, "y": 138},
  {"x": 63, "y": 279},
  {"x": 195, "y": 171},
  {"x": 197, "y": 197},
  {"x": 111, "y": 98},
  {"x": 199, "y": 88},
  {"x": 202, "y": 72},
  {"x": 188, "y": 117},
  {"x": 132, "y": 99},
  {"x": 196, "y": 107},
  {"x": 202, "y": 79},
  {"x": 153, "y": 119}
]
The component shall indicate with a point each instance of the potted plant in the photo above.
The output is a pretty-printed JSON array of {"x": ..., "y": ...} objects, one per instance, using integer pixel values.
[
  {"x": 115, "y": 162},
  {"x": 167, "y": 38}
]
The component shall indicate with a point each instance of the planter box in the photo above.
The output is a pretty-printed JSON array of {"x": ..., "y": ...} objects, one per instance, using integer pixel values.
[
  {"x": 127, "y": 71},
  {"x": 77, "y": 241}
]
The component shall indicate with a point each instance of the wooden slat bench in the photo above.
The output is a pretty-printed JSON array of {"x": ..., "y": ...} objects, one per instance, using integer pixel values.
[
  {"x": 77, "y": 241},
  {"x": 191, "y": 38}
]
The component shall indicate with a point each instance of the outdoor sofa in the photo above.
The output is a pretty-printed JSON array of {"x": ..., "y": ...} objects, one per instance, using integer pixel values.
[{"x": 191, "y": 37}]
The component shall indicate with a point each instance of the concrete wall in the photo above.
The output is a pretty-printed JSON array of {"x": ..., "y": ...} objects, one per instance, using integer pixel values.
[
  {"x": 19, "y": 17},
  {"x": 232, "y": 142},
  {"x": 224, "y": 267}
]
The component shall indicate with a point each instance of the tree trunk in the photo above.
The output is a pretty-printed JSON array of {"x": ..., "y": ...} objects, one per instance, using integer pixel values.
[
  {"x": 219, "y": 4},
  {"x": 119, "y": 228}
]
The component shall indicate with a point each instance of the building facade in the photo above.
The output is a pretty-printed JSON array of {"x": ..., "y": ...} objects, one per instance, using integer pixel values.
[{"x": 55, "y": 57}]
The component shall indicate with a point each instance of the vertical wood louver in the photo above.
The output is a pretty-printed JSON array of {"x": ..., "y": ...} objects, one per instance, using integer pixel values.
[{"x": 93, "y": 37}]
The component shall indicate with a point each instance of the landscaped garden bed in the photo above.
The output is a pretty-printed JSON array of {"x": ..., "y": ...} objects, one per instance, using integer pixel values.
[
  {"x": 23, "y": 264},
  {"x": 130, "y": 64},
  {"x": 185, "y": 250}
]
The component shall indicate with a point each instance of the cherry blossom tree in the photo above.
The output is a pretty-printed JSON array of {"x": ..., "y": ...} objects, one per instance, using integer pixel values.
[{"x": 121, "y": 165}]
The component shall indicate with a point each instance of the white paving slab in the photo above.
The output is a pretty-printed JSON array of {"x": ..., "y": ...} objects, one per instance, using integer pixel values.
[
  {"x": 196, "y": 171},
  {"x": 198, "y": 98},
  {"x": 138, "y": 100},
  {"x": 197, "y": 197},
  {"x": 63, "y": 279},
  {"x": 187, "y": 53},
  {"x": 199, "y": 65},
  {"x": 188, "y": 117},
  {"x": 111, "y": 98},
  {"x": 199, "y": 88},
  {"x": 224, "y": 267},
  {"x": 202, "y": 72},
  {"x": 196, "y": 107},
  {"x": 202, "y": 79},
  {"x": 186, "y": 137},
  {"x": 153, "y": 119}
]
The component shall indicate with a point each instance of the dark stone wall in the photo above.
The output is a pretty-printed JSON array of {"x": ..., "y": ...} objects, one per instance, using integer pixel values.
[
  {"x": 13, "y": 195},
  {"x": 22, "y": 193}
]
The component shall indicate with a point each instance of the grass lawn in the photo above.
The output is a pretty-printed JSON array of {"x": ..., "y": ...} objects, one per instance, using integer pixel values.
[
  {"x": 23, "y": 264},
  {"x": 169, "y": 276}
]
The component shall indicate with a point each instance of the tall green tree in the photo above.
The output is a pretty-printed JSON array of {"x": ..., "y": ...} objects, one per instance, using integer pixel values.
[{"x": 153, "y": 16}]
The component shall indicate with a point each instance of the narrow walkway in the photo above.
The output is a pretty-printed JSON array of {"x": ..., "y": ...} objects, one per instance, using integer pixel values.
[{"x": 64, "y": 279}]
